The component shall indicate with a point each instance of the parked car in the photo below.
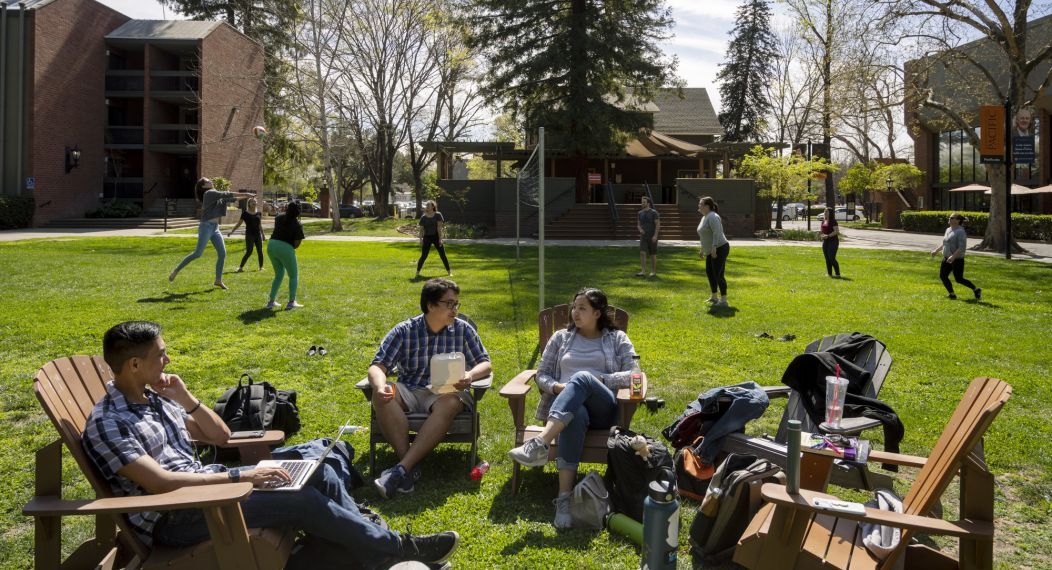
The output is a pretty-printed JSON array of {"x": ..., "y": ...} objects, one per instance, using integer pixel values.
[
  {"x": 841, "y": 215},
  {"x": 788, "y": 212},
  {"x": 350, "y": 211},
  {"x": 310, "y": 208}
]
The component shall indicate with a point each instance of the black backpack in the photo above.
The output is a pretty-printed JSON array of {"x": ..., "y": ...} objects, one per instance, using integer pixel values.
[
  {"x": 258, "y": 405},
  {"x": 628, "y": 475},
  {"x": 731, "y": 501}
]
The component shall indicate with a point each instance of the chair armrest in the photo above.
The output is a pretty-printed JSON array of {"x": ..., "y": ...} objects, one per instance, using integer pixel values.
[
  {"x": 624, "y": 395},
  {"x": 777, "y": 494},
  {"x": 850, "y": 426},
  {"x": 776, "y": 391},
  {"x": 479, "y": 387},
  {"x": 185, "y": 498},
  {"x": 366, "y": 388},
  {"x": 272, "y": 437},
  {"x": 518, "y": 386},
  {"x": 897, "y": 459}
]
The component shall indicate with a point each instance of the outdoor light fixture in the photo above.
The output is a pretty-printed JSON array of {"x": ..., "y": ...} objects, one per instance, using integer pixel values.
[
  {"x": 889, "y": 183},
  {"x": 72, "y": 158}
]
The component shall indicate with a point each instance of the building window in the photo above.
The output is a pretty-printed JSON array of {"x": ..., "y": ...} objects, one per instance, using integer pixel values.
[{"x": 958, "y": 160}]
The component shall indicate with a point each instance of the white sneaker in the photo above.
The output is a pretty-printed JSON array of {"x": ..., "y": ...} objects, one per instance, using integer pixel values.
[
  {"x": 712, "y": 299},
  {"x": 533, "y": 453},
  {"x": 272, "y": 305},
  {"x": 562, "y": 511},
  {"x": 292, "y": 305},
  {"x": 721, "y": 303}
]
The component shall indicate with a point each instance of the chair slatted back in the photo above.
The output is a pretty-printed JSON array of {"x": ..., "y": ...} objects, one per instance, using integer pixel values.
[
  {"x": 876, "y": 360},
  {"x": 977, "y": 409},
  {"x": 558, "y": 317},
  {"x": 68, "y": 389}
]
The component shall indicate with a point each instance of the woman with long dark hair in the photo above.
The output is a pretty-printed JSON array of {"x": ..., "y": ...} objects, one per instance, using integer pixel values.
[
  {"x": 714, "y": 249},
  {"x": 432, "y": 225},
  {"x": 954, "y": 244},
  {"x": 580, "y": 372},
  {"x": 213, "y": 208},
  {"x": 281, "y": 249},
  {"x": 253, "y": 221},
  {"x": 830, "y": 232}
]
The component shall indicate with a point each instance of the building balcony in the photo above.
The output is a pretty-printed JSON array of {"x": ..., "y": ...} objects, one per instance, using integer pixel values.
[{"x": 124, "y": 135}]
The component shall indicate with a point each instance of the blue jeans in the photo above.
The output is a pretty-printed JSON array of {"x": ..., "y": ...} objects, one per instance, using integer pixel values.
[
  {"x": 207, "y": 231},
  {"x": 585, "y": 403},
  {"x": 323, "y": 509}
]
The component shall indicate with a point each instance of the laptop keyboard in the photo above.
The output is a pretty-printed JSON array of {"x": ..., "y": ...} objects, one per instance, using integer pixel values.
[{"x": 296, "y": 470}]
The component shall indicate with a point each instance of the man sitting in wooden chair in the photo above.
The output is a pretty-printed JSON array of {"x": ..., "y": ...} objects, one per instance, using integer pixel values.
[
  {"x": 138, "y": 435},
  {"x": 409, "y": 347}
]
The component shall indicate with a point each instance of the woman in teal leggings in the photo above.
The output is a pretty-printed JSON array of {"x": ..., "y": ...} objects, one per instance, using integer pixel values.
[{"x": 281, "y": 249}]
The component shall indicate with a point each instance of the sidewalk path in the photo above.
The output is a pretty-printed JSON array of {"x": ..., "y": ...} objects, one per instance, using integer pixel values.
[{"x": 853, "y": 238}]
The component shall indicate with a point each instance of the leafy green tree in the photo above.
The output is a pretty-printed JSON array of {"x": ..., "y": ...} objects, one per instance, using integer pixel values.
[
  {"x": 746, "y": 73},
  {"x": 580, "y": 67},
  {"x": 782, "y": 177}
]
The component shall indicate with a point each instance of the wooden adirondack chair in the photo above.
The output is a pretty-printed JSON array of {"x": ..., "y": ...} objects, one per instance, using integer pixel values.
[
  {"x": 878, "y": 362},
  {"x": 464, "y": 429},
  {"x": 790, "y": 533},
  {"x": 549, "y": 321},
  {"x": 68, "y": 389}
]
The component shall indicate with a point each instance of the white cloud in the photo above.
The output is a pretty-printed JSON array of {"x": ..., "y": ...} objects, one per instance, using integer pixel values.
[{"x": 143, "y": 9}]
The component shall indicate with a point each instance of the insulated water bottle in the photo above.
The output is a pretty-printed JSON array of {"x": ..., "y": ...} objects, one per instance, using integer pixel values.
[
  {"x": 660, "y": 527},
  {"x": 626, "y": 526}
]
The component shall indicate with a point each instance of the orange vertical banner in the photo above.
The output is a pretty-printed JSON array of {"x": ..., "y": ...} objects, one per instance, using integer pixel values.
[{"x": 992, "y": 130}]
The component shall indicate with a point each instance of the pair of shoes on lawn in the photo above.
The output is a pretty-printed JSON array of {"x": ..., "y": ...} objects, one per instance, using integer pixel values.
[
  {"x": 717, "y": 301},
  {"x": 783, "y": 338},
  {"x": 396, "y": 480},
  {"x": 319, "y": 350},
  {"x": 291, "y": 305}
]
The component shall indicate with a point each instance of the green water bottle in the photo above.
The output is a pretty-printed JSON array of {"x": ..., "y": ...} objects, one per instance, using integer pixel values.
[{"x": 626, "y": 526}]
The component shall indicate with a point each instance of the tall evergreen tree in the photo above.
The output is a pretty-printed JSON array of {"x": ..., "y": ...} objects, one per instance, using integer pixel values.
[
  {"x": 581, "y": 68},
  {"x": 746, "y": 72}
]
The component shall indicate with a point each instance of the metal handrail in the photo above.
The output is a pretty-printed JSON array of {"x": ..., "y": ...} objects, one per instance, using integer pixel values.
[{"x": 612, "y": 204}]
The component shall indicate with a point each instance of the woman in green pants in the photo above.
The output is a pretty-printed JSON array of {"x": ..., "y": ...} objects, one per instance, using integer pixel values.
[{"x": 281, "y": 249}]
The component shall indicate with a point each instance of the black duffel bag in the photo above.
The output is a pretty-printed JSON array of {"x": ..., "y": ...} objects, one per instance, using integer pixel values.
[
  {"x": 628, "y": 475},
  {"x": 258, "y": 406}
]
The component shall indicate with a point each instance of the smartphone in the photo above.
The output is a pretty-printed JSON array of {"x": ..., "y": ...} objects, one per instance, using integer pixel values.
[{"x": 249, "y": 434}]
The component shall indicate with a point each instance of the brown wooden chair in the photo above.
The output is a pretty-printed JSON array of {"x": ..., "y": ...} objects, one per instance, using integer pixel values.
[
  {"x": 68, "y": 389},
  {"x": 549, "y": 321},
  {"x": 464, "y": 429},
  {"x": 791, "y": 533}
]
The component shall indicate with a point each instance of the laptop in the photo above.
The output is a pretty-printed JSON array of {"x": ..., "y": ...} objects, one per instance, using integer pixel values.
[{"x": 300, "y": 470}]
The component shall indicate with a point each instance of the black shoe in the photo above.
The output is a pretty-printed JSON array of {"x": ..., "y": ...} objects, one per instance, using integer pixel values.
[
  {"x": 978, "y": 294},
  {"x": 431, "y": 549},
  {"x": 952, "y": 297}
]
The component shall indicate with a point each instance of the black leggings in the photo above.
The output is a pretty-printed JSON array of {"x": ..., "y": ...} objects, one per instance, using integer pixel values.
[
  {"x": 829, "y": 247},
  {"x": 251, "y": 241},
  {"x": 425, "y": 248},
  {"x": 957, "y": 267},
  {"x": 714, "y": 268}
]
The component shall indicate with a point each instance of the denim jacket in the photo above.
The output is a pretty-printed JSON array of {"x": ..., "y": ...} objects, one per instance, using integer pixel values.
[{"x": 618, "y": 370}]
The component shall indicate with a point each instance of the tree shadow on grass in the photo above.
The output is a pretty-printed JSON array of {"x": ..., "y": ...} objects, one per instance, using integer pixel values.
[
  {"x": 570, "y": 540},
  {"x": 252, "y": 316},
  {"x": 174, "y": 297}
]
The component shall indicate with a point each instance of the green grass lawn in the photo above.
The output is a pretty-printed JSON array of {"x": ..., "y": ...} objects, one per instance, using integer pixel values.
[
  {"x": 62, "y": 295},
  {"x": 357, "y": 227}
]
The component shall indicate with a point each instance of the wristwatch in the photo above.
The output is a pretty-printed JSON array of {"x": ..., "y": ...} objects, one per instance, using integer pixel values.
[{"x": 235, "y": 475}]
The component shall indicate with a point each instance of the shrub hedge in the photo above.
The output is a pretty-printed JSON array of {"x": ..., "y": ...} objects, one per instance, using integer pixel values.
[
  {"x": 116, "y": 210},
  {"x": 16, "y": 212},
  {"x": 1024, "y": 226}
]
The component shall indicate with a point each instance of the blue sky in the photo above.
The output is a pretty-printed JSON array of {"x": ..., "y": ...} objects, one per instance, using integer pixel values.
[{"x": 700, "y": 34}]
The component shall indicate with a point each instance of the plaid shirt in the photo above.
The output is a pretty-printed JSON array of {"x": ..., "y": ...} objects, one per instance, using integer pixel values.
[
  {"x": 118, "y": 432},
  {"x": 410, "y": 345}
]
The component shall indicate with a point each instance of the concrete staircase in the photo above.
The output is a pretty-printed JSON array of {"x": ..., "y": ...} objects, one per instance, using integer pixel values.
[
  {"x": 123, "y": 223},
  {"x": 592, "y": 221}
]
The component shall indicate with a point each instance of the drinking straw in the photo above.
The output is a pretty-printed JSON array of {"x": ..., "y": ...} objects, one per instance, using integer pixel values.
[{"x": 836, "y": 389}]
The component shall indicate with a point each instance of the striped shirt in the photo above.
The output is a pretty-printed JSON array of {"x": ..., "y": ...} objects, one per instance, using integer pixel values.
[
  {"x": 410, "y": 345},
  {"x": 118, "y": 432}
]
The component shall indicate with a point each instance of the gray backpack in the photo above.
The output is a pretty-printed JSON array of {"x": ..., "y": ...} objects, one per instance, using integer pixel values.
[{"x": 590, "y": 502}]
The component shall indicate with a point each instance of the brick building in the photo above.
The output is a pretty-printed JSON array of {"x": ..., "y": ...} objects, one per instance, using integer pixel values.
[{"x": 97, "y": 106}]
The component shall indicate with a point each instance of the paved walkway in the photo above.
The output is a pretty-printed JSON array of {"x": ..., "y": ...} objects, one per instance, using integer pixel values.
[{"x": 859, "y": 239}]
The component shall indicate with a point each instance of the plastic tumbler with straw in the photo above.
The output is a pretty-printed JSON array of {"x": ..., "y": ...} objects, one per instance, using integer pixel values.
[{"x": 836, "y": 391}]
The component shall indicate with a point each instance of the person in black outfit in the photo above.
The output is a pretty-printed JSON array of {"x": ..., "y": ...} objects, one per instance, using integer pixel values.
[
  {"x": 253, "y": 221},
  {"x": 831, "y": 242},
  {"x": 432, "y": 223},
  {"x": 286, "y": 238}
]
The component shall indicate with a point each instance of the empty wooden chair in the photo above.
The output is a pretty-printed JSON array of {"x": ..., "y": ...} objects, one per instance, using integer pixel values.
[{"x": 791, "y": 533}]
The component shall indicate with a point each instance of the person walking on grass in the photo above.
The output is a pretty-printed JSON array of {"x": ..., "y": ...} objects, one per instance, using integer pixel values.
[
  {"x": 253, "y": 221},
  {"x": 649, "y": 225},
  {"x": 954, "y": 243},
  {"x": 213, "y": 208},
  {"x": 286, "y": 238},
  {"x": 714, "y": 249},
  {"x": 432, "y": 226},
  {"x": 580, "y": 372},
  {"x": 830, "y": 232}
]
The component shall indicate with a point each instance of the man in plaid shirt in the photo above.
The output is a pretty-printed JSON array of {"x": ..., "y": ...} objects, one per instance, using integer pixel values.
[
  {"x": 138, "y": 437},
  {"x": 409, "y": 347}
]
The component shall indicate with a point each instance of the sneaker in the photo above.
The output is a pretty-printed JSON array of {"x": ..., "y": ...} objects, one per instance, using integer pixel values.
[
  {"x": 171, "y": 276},
  {"x": 240, "y": 270},
  {"x": 978, "y": 294},
  {"x": 220, "y": 284},
  {"x": 952, "y": 297},
  {"x": 562, "y": 511},
  {"x": 409, "y": 481},
  {"x": 640, "y": 274},
  {"x": 431, "y": 548},
  {"x": 271, "y": 305},
  {"x": 389, "y": 481},
  {"x": 533, "y": 453},
  {"x": 721, "y": 303},
  {"x": 712, "y": 299},
  {"x": 293, "y": 305}
]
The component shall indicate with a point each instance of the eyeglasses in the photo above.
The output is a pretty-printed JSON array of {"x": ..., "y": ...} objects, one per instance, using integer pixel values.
[{"x": 451, "y": 305}]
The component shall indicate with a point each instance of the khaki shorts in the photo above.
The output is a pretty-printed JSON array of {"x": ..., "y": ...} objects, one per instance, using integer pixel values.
[{"x": 421, "y": 399}]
